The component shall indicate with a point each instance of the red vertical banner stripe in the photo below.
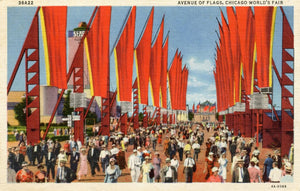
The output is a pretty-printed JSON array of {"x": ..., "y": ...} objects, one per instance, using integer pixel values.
[
  {"x": 124, "y": 58},
  {"x": 235, "y": 50},
  {"x": 54, "y": 23},
  {"x": 155, "y": 66},
  {"x": 246, "y": 28},
  {"x": 142, "y": 55},
  {"x": 98, "y": 51},
  {"x": 172, "y": 80},
  {"x": 163, "y": 76},
  {"x": 264, "y": 22}
]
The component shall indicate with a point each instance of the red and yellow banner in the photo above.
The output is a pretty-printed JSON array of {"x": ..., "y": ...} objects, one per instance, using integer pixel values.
[
  {"x": 264, "y": 31},
  {"x": 97, "y": 50},
  {"x": 142, "y": 60},
  {"x": 163, "y": 76},
  {"x": 53, "y": 24},
  {"x": 246, "y": 28},
  {"x": 123, "y": 53},
  {"x": 155, "y": 66}
]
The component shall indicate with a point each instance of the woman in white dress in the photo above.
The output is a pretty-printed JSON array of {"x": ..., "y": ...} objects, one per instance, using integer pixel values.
[
  {"x": 147, "y": 171},
  {"x": 61, "y": 156},
  {"x": 234, "y": 161},
  {"x": 223, "y": 166}
]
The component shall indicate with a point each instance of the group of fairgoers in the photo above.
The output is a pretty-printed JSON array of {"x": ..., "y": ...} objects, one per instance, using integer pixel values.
[{"x": 143, "y": 164}]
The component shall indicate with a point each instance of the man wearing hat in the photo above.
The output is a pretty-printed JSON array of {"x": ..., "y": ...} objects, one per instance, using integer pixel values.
[
  {"x": 288, "y": 178},
  {"x": 19, "y": 160},
  {"x": 168, "y": 172},
  {"x": 254, "y": 173},
  {"x": 134, "y": 165},
  {"x": 277, "y": 158},
  {"x": 240, "y": 173},
  {"x": 64, "y": 174},
  {"x": 50, "y": 162},
  {"x": 215, "y": 177},
  {"x": 188, "y": 167},
  {"x": 267, "y": 168}
]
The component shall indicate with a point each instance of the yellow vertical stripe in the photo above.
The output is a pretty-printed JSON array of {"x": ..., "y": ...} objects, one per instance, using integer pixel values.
[
  {"x": 169, "y": 89},
  {"x": 151, "y": 89},
  {"x": 241, "y": 74},
  {"x": 234, "y": 91},
  {"x": 253, "y": 68},
  {"x": 117, "y": 74},
  {"x": 44, "y": 34},
  {"x": 137, "y": 76},
  {"x": 89, "y": 65},
  {"x": 271, "y": 46}
]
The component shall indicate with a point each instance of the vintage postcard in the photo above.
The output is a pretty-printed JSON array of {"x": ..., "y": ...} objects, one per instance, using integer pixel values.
[{"x": 136, "y": 94}]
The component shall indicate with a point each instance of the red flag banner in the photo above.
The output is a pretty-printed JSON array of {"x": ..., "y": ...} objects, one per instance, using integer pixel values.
[
  {"x": 206, "y": 108},
  {"x": 142, "y": 58},
  {"x": 246, "y": 28},
  {"x": 53, "y": 24},
  {"x": 172, "y": 80},
  {"x": 124, "y": 58},
  {"x": 163, "y": 76},
  {"x": 235, "y": 50},
  {"x": 212, "y": 108},
  {"x": 97, "y": 49},
  {"x": 264, "y": 30},
  {"x": 155, "y": 66}
]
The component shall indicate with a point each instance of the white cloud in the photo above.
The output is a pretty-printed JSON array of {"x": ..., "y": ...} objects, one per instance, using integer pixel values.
[
  {"x": 203, "y": 66},
  {"x": 195, "y": 82},
  {"x": 202, "y": 97}
]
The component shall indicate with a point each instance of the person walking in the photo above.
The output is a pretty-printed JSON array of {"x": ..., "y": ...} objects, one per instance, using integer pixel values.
[
  {"x": 74, "y": 159},
  {"x": 275, "y": 173},
  {"x": 196, "y": 148},
  {"x": 254, "y": 173},
  {"x": 209, "y": 164},
  {"x": 223, "y": 166},
  {"x": 215, "y": 177},
  {"x": 112, "y": 172},
  {"x": 156, "y": 164},
  {"x": 93, "y": 157},
  {"x": 147, "y": 171},
  {"x": 50, "y": 163},
  {"x": 267, "y": 168},
  {"x": 104, "y": 158},
  {"x": 168, "y": 173},
  {"x": 134, "y": 165},
  {"x": 188, "y": 168},
  {"x": 64, "y": 174},
  {"x": 240, "y": 173},
  {"x": 83, "y": 167}
]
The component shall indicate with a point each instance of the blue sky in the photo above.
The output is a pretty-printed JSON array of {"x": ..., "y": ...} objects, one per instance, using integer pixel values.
[{"x": 192, "y": 31}]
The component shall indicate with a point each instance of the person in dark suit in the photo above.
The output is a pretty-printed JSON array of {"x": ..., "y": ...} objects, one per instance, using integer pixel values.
[
  {"x": 93, "y": 158},
  {"x": 19, "y": 160},
  {"x": 50, "y": 162},
  {"x": 232, "y": 149},
  {"x": 57, "y": 147},
  {"x": 44, "y": 151},
  {"x": 36, "y": 153},
  {"x": 74, "y": 159},
  {"x": 240, "y": 173},
  {"x": 64, "y": 173},
  {"x": 11, "y": 158}
]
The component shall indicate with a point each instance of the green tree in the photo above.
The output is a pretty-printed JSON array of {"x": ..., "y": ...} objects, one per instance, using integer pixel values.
[
  {"x": 141, "y": 116},
  {"x": 91, "y": 118},
  {"x": 20, "y": 115},
  {"x": 191, "y": 116},
  {"x": 217, "y": 116},
  {"x": 67, "y": 110}
]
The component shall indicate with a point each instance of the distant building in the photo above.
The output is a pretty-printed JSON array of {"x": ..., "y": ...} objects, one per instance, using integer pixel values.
[{"x": 205, "y": 113}]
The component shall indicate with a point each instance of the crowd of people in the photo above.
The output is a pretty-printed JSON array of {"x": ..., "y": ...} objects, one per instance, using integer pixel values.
[{"x": 67, "y": 161}]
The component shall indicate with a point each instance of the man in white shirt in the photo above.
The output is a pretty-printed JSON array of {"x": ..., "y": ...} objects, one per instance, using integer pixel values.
[
  {"x": 175, "y": 162},
  {"x": 104, "y": 158},
  {"x": 134, "y": 165},
  {"x": 196, "y": 148},
  {"x": 181, "y": 145},
  {"x": 168, "y": 172},
  {"x": 275, "y": 173},
  {"x": 114, "y": 151},
  {"x": 188, "y": 167}
]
